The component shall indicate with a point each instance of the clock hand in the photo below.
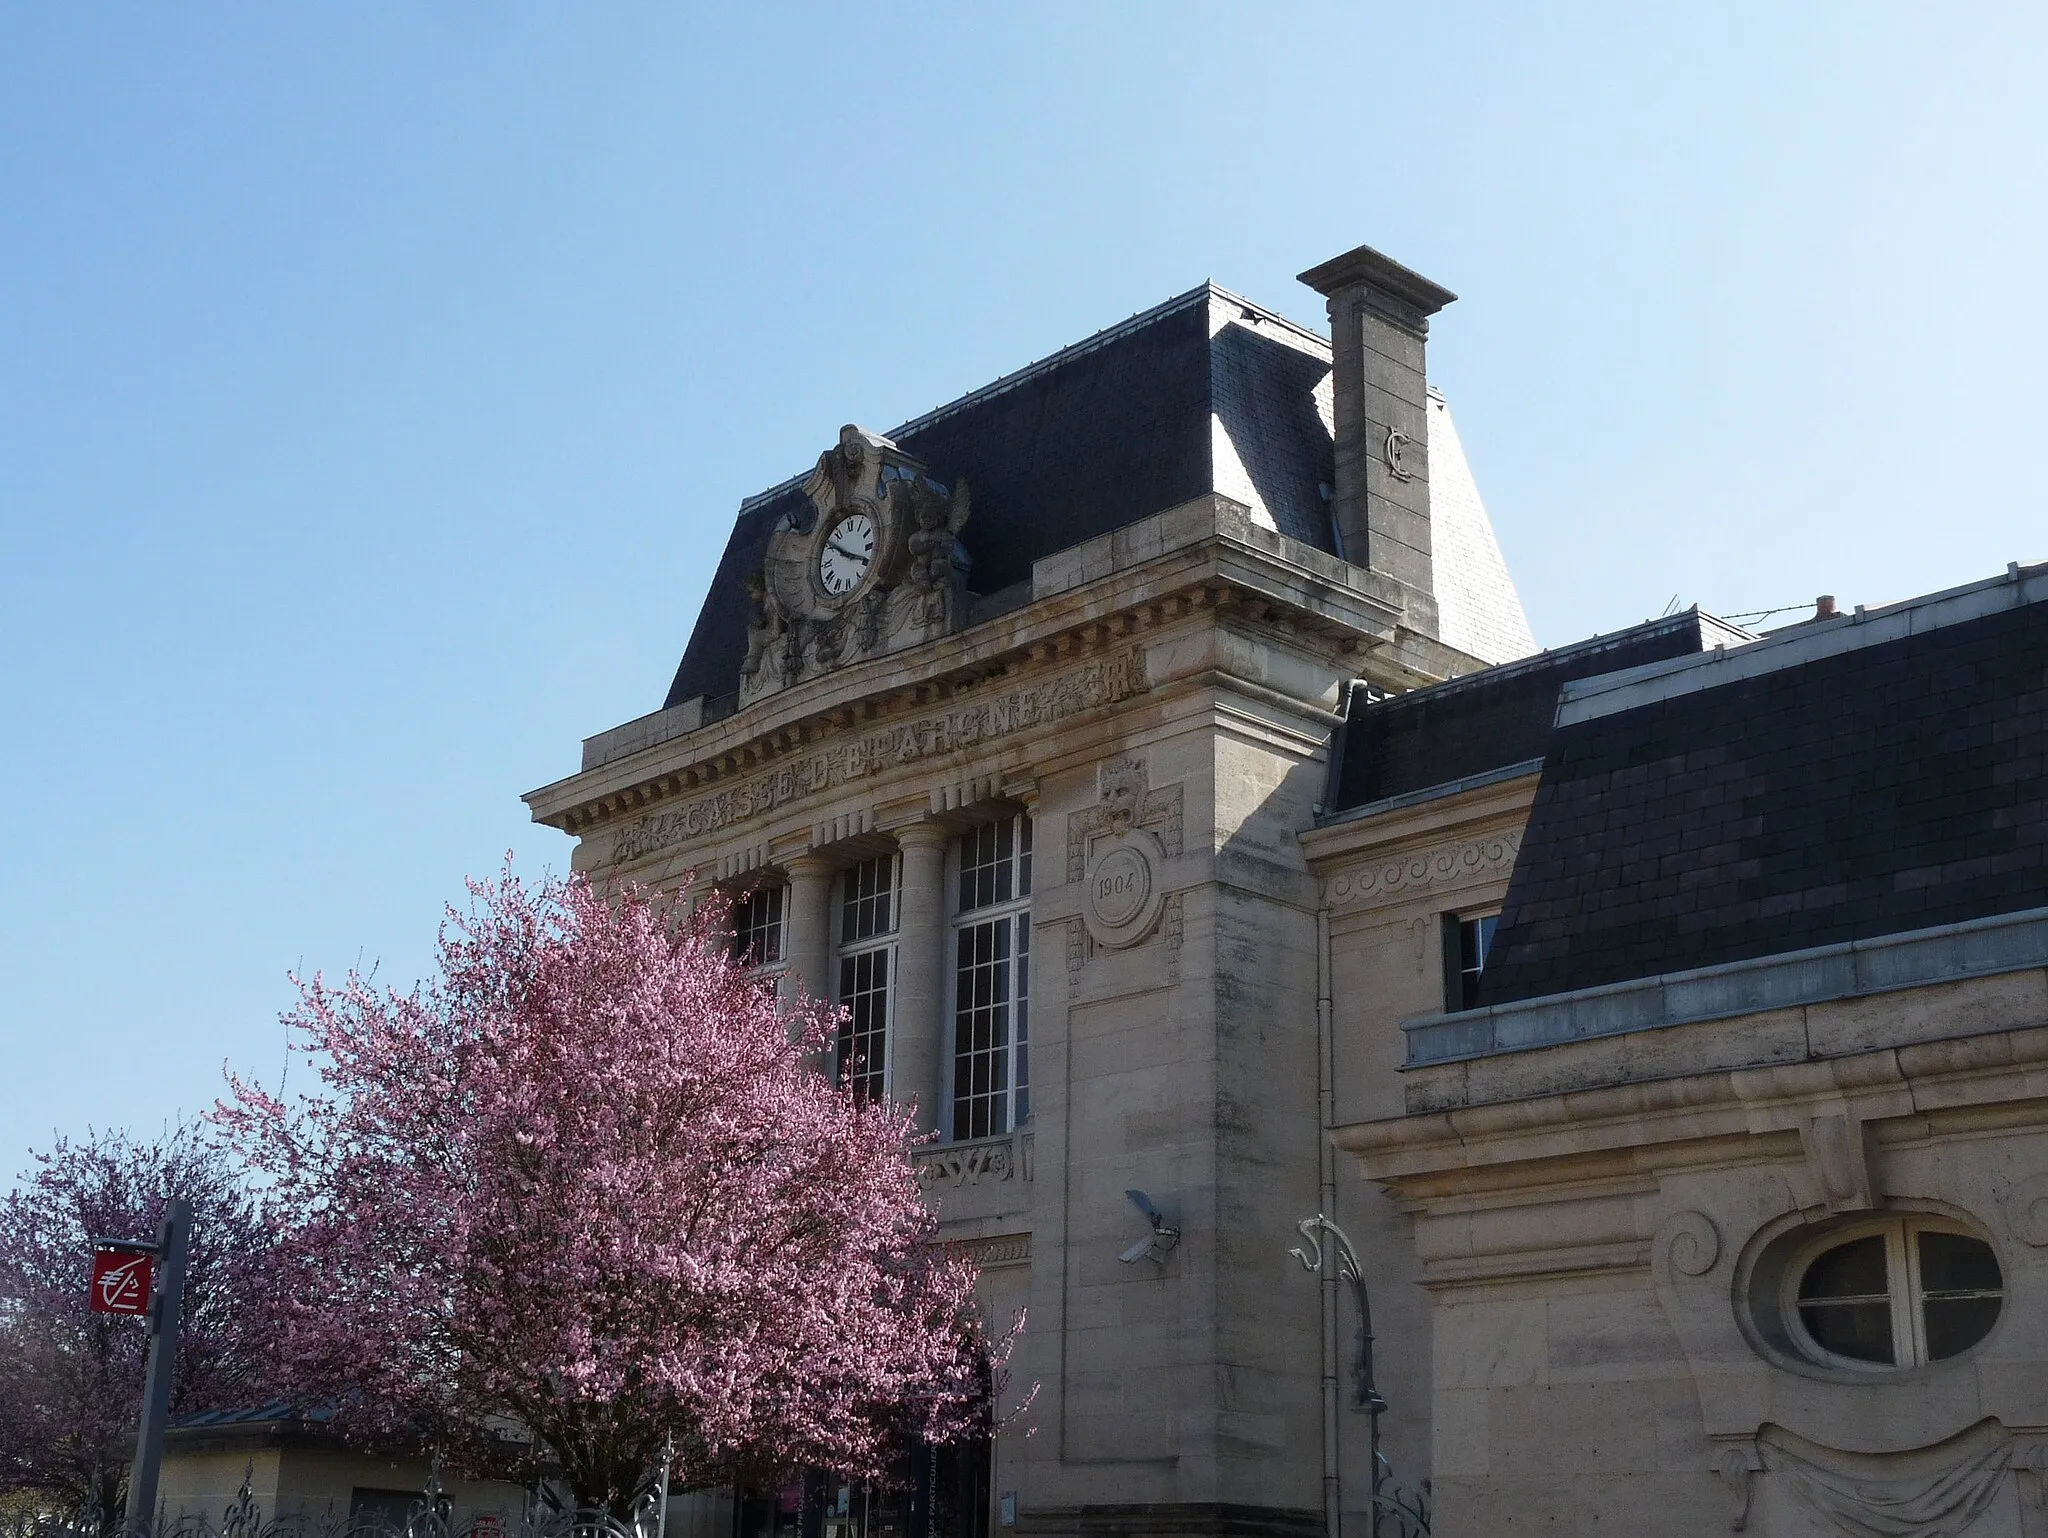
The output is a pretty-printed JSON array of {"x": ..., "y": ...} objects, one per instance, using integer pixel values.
[{"x": 834, "y": 544}]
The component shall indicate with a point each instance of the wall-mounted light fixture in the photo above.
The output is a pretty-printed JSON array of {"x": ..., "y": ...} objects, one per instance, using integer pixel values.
[{"x": 1158, "y": 1244}]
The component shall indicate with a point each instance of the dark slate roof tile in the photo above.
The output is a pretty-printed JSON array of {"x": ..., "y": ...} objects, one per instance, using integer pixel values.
[
  {"x": 1498, "y": 717},
  {"x": 1890, "y": 786},
  {"x": 1089, "y": 440}
]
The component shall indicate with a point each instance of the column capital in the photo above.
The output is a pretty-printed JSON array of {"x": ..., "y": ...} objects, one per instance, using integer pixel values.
[
  {"x": 923, "y": 834},
  {"x": 808, "y": 864}
]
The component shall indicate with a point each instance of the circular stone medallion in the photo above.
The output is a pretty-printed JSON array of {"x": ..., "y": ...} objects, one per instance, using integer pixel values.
[{"x": 1123, "y": 897}]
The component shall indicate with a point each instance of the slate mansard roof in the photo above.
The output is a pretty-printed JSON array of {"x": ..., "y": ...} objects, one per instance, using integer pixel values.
[
  {"x": 1498, "y": 719},
  {"x": 1204, "y": 393},
  {"x": 1845, "y": 780}
]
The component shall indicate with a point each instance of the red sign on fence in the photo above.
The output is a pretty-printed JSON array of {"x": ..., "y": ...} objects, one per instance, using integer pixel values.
[{"x": 121, "y": 1281}]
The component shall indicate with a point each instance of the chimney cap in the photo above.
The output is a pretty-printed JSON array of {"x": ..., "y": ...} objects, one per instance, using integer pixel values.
[{"x": 1364, "y": 267}]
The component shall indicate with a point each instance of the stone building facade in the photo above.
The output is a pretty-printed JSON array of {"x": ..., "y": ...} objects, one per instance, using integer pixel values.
[
  {"x": 1726, "y": 1174},
  {"x": 1149, "y": 753},
  {"x": 1003, "y": 728}
]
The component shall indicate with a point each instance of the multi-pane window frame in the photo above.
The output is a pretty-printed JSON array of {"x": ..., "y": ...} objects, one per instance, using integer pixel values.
[
  {"x": 1904, "y": 1301},
  {"x": 760, "y": 936},
  {"x": 988, "y": 1033},
  {"x": 866, "y": 917},
  {"x": 1467, "y": 938}
]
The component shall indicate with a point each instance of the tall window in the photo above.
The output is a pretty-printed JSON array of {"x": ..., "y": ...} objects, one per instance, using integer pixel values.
[
  {"x": 757, "y": 927},
  {"x": 992, "y": 980},
  {"x": 1467, "y": 938},
  {"x": 867, "y": 961}
]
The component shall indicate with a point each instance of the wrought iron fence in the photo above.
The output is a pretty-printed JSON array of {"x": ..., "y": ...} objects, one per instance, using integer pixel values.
[{"x": 431, "y": 1516}]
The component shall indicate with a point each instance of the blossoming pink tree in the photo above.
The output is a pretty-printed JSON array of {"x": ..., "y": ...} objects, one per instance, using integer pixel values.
[
  {"x": 70, "y": 1379},
  {"x": 586, "y": 1183}
]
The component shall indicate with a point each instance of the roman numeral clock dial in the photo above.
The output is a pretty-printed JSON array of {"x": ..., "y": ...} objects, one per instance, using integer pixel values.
[{"x": 848, "y": 553}]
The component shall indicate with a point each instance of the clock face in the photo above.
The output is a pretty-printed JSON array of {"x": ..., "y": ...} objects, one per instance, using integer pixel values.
[{"x": 849, "y": 551}]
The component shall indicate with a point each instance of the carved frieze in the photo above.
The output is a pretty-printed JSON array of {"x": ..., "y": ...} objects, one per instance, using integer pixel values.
[
  {"x": 970, "y": 1163},
  {"x": 967, "y": 723},
  {"x": 994, "y": 1251},
  {"x": 1425, "y": 869}
]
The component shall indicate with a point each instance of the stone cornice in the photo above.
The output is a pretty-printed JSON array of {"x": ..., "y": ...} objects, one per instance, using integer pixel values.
[
  {"x": 1097, "y": 604},
  {"x": 1484, "y": 808},
  {"x": 1617, "y": 1129}
]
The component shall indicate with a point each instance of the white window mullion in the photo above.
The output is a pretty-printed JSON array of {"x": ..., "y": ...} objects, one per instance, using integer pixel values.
[
  {"x": 1909, "y": 1331},
  {"x": 864, "y": 968},
  {"x": 987, "y": 1046}
]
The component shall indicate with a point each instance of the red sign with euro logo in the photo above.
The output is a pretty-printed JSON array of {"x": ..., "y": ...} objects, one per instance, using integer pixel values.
[{"x": 121, "y": 1280}]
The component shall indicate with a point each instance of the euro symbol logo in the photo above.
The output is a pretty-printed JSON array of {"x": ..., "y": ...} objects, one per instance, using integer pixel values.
[{"x": 120, "y": 1282}]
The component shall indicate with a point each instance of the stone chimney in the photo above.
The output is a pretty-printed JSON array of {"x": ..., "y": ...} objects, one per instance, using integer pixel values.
[{"x": 1379, "y": 323}]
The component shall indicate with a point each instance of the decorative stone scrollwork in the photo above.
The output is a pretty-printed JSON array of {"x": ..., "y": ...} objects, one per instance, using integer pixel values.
[
  {"x": 1426, "y": 869},
  {"x": 2026, "y": 1210},
  {"x": 994, "y": 1251},
  {"x": 1117, "y": 850},
  {"x": 1738, "y": 1466},
  {"x": 901, "y": 584},
  {"x": 1008, "y": 1157},
  {"x": 1932, "y": 1492},
  {"x": 1689, "y": 1242}
]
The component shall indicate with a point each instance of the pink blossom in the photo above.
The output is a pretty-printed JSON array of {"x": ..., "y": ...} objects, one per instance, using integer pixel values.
[
  {"x": 70, "y": 1379},
  {"x": 587, "y": 1184}
]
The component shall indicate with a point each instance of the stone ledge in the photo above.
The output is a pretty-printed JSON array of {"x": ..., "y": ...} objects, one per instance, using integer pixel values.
[
  {"x": 2008, "y": 942},
  {"x": 650, "y": 730}
]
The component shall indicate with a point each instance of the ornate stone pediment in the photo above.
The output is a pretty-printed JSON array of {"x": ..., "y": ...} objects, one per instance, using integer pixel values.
[{"x": 872, "y": 566}]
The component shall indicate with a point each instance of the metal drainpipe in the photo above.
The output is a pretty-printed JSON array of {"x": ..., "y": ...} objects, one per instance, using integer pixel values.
[{"x": 1326, "y": 1153}]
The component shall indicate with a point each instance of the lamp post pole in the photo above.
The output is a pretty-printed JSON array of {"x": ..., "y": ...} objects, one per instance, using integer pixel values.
[
  {"x": 166, "y": 1312},
  {"x": 1341, "y": 1257}
]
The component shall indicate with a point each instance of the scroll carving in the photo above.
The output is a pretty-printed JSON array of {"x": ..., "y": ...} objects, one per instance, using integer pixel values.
[
  {"x": 2026, "y": 1210},
  {"x": 969, "y": 1164},
  {"x": 1429, "y": 868},
  {"x": 1738, "y": 1467},
  {"x": 910, "y": 585},
  {"x": 997, "y": 1250},
  {"x": 1689, "y": 1242}
]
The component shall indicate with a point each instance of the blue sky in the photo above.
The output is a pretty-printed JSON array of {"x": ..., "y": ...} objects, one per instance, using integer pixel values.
[{"x": 377, "y": 382}]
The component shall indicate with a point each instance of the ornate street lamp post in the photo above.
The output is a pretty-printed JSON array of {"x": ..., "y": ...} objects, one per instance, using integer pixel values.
[{"x": 1409, "y": 1509}]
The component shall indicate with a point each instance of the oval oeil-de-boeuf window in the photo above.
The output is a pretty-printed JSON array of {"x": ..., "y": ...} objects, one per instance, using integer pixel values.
[{"x": 1896, "y": 1294}]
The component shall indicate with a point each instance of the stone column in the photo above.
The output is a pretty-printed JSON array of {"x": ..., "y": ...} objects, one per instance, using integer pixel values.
[
  {"x": 918, "y": 1054},
  {"x": 807, "y": 923}
]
